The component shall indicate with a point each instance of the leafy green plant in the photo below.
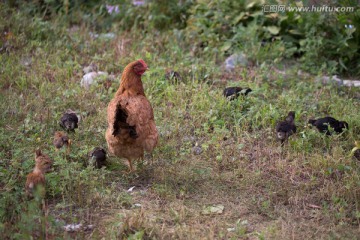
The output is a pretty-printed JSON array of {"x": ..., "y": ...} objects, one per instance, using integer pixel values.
[{"x": 228, "y": 26}]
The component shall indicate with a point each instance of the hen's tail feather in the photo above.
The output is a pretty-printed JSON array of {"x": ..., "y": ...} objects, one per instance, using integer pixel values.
[{"x": 120, "y": 122}]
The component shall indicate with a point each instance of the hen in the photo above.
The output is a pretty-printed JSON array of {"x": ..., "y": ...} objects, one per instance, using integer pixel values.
[
  {"x": 131, "y": 126},
  {"x": 233, "y": 92},
  {"x": 35, "y": 181},
  {"x": 286, "y": 128},
  {"x": 322, "y": 124}
]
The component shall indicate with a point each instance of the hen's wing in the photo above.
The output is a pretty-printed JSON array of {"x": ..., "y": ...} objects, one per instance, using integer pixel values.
[
  {"x": 120, "y": 122},
  {"x": 132, "y": 120}
]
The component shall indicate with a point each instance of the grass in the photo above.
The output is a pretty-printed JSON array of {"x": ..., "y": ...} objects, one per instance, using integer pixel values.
[{"x": 308, "y": 189}]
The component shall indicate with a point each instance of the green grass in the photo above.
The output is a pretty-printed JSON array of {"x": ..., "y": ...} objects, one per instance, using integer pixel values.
[{"x": 308, "y": 189}]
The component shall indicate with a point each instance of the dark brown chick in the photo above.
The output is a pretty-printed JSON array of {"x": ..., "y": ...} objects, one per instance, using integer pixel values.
[
  {"x": 69, "y": 121},
  {"x": 286, "y": 128},
  {"x": 98, "y": 157},
  {"x": 232, "y": 93},
  {"x": 322, "y": 124},
  {"x": 35, "y": 181},
  {"x": 357, "y": 154},
  {"x": 61, "y": 139}
]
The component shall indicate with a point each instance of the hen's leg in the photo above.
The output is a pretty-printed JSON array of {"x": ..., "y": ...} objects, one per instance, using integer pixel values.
[{"x": 130, "y": 166}]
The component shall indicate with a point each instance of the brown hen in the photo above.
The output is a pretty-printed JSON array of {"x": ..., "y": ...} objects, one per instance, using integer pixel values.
[{"x": 131, "y": 126}]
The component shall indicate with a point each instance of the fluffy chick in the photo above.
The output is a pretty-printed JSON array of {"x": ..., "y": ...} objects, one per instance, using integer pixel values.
[
  {"x": 322, "y": 124},
  {"x": 61, "y": 139},
  {"x": 69, "y": 121},
  {"x": 35, "y": 181},
  {"x": 172, "y": 75},
  {"x": 356, "y": 150},
  {"x": 233, "y": 92},
  {"x": 98, "y": 157},
  {"x": 357, "y": 154},
  {"x": 286, "y": 128}
]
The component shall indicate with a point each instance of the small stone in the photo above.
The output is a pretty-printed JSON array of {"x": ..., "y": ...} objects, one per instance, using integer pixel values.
[
  {"x": 91, "y": 78},
  {"x": 197, "y": 150},
  {"x": 73, "y": 227},
  {"x": 237, "y": 59}
]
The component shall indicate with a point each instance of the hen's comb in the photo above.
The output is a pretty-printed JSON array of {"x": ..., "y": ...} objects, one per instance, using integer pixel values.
[{"x": 142, "y": 62}]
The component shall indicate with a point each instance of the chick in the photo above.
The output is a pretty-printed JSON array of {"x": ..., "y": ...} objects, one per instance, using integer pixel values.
[
  {"x": 98, "y": 157},
  {"x": 356, "y": 150},
  {"x": 286, "y": 128},
  {"x": 233, "y": 92},
  {"x": 35, "y": 181},
  {"x": 357, "y": 154},
  {"x": 61, "y": 139},
  {"x": 172, "y": 75},
  {"x": 322, "y": 124},
  {"x": 69, "y": 121}
]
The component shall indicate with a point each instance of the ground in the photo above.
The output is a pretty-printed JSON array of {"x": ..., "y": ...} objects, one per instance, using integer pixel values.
[{"x": 211, "y": 151}]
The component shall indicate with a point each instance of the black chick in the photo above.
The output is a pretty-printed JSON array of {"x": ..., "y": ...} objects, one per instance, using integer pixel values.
[
  {"x": 286, "y": 128},
  {"x": 69, "y": 121},
  {"x": 233, "y": 92},
  {"x": 172, "y": 75},
  {"x": 98, "y": 157},
  {"x": 322, "y": 124}
]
